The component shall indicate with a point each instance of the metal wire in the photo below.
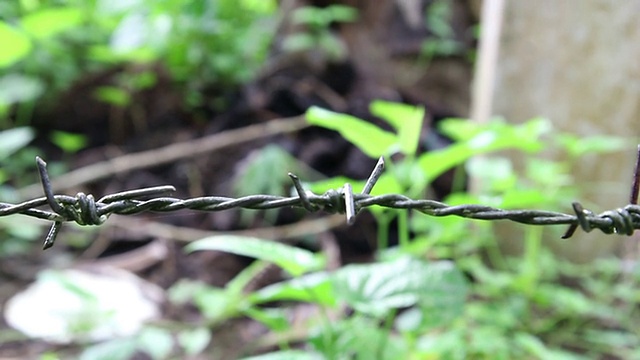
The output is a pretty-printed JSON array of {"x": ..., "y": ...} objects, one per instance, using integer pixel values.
[{"x": 85, "y": 210}]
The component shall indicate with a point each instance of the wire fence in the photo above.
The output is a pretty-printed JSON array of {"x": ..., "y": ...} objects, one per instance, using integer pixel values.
[{"x": 84, "y": 209}]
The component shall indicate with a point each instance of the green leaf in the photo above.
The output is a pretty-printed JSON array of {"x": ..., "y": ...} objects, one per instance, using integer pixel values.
[
  {"x": 341, "y": 13},
  {"x": 237, "y": 285},
  {"x": 314, "y": 288},
  {"x": 113, "y": 95},
  {"x": 376, "y": 289},
  {"x": 362, "y": 338},
  {"x": 435, "y": 163},
  {"x": 117, "y": 349},
  {"x": 15, "y": 45},
  {"x": 106, "y": 54},
  {"x": 310, "y": 15},
  {"x": 184, "y": 290},
  {"x": 215, "y": 303},
  {"x": 406, "y": 119},
  {"x": 156, "y": 342},
  {"x": 294, "y": 260},
  {"x": 299, "y": 42},
  {"x": 49, "y": 22},
  {"x": 369, "y": 138},
  {"x": 69, "y": 142},
  {"x": 260, "y": 6},
  {"x": 496, "y": 136},
  {"x": 194, "y": 341},
  {"x": 13, "y": 140},
  {"x": 578, "y": 146},
  {"x": 275, "y": 319},
  {"x": 16, "y": 88},
  {"x": 459, "y": 129},
  {"x": 495, "y": 173},
  {"x": 539, "y": 350}
]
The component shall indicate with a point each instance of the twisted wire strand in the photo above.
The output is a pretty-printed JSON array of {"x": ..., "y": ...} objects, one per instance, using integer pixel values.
[{"x": 85, "y": 210}]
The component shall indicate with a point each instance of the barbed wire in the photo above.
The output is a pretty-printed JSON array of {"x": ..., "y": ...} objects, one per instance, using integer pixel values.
[{"x": 83, "y": 209}]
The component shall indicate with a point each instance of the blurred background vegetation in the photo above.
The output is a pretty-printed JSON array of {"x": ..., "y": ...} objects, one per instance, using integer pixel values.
[{"x": 84, "y": 82}]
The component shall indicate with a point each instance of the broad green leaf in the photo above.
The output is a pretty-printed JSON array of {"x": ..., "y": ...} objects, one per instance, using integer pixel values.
[
  {"x": 156, "y": 342},
  {"x": 184, "y": 290},
  {"x": 15, "y": 45},
  {"x": 435, "y": 163},
  {"x": 116, "y": 349},
  {"x": 13, "y": 140},
  {"x": 369, "y": 138},
  {"x": 131, "y": 34},
  {"x": 294, "y": 260},
  {"x": 568, "y": 301},
  {"x": 310, "y": 15},
  {"x": 103, "y": 53},
  {"x": 260, "y": 6},
  {"x": 215, "y": 303},
  {"x": 548, "y": 173},
  {"x": 406, "y": 119},
  {"x": 49, "y": 22},
  {"x": 459, "y": 129},
  {"x": 525, "y": 136},
  {"x": 287, "y": 355},
  {"x": 341, "y": 13},
  {"x": 578, "y": 146},
  {"x": 299, "y": 42},
  {"x": 376, "y": 289},
  {"x": 539, "y": 350},
  {"x": 16, "y": 88},
  {"x": 362, "y": 338},
  {"x": 314, "y": 288},
  {"x": 498, "y": 136},
  {"x": 194, "y": 341},
  {"x": 69, "y": 142},
  {"x": 250, "y": 179},
  {"x": 495, "y": 173}
]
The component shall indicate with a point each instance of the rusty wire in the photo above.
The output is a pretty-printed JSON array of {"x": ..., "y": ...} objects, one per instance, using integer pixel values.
[{"x": 85, "y": 210}]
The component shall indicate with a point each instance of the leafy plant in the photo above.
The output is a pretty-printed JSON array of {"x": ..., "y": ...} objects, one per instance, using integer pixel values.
[
  {"x": 519, "y": 307},
  {"x": 442, "y": 41},
  {"x": 48, "y": 47},
  {"x": 372, "y": 290},
  {"x": 317, "y": 33},
  {"x": 250, "y": 177}
]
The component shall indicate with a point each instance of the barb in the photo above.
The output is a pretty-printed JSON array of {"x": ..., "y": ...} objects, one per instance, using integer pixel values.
[{"x": 85, "y": 210}]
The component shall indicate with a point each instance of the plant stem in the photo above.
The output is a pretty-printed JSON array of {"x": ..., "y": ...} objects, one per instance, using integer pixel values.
[{"x": 403, "y": 229}]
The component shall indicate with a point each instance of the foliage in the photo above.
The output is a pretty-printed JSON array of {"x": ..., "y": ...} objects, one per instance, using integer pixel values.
[
  {"x": 317, "y": 33},
  {"x": 435, "y": 296},
  {"x": 445, "y": 292},
  {"x": 48, "y": 47},
  {"x": 518, "y": 307},
  {"x": 250, "y": 177},
  {"x": 442, "y": 41}
]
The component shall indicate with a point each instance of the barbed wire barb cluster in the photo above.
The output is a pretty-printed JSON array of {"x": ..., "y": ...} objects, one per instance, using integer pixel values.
[{"x": 86, "y": 210}]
